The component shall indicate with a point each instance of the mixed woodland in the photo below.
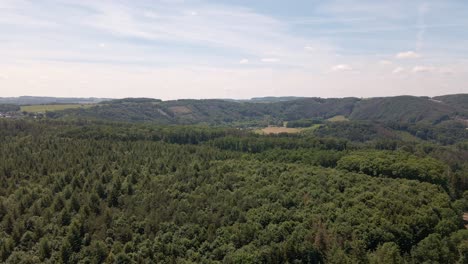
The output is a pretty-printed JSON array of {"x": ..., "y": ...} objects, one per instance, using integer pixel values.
[
  {"x": 97, "y": 192},
  {"x": 76, "y": 189}
]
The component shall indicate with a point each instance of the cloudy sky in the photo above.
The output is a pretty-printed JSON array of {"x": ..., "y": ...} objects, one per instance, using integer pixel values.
[{"x": 238, "y": 49}]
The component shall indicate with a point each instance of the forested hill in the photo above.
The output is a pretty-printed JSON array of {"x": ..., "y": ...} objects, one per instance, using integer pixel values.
[
  {"x": 408, "y": 109},
  {"x": 35, "y": 100},
  {"x": 458, "y": 100}
]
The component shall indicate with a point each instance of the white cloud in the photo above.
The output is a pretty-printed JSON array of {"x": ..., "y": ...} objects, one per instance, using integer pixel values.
[
  {"x": 398, "y": 70},
  {"x": 102, "y": 45},
  {"x": 432, "y": 69},
  {"x": 385, "y": 62},
  {"x": 408, "y": 55},
  {"x": 309, "y": 48},
  {"x": 269, "y": 59},
  {"x": 244, "y": 61},
  {"x": 342, "y": 67}
]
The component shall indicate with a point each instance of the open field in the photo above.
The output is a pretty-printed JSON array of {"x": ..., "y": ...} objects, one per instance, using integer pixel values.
[
  {"x": 52, "y": 107},
  {"x": 338, "y": 118},
  {"x": 277, "y": 130}
]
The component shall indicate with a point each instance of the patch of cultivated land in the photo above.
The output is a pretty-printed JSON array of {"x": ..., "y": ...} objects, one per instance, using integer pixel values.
[
  {"x": 277, "y": 130},
  {"x": 338, "y": 118},
  {"x": 52, "y": 107}
]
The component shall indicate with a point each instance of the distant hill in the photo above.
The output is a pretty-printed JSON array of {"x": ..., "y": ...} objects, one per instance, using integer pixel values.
[
  {"x": 35, "y": 100},
  {"x": 407, "y": 109},
  {"x": 272, "y": 99},
  {"x": 456, "y": 100},
  {"x": 266, "y": 99}
]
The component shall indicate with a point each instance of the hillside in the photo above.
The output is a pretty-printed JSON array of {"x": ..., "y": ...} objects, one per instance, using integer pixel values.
[
  {"x": 408, "y": 109},
  {"x": 404, "y": 109},
  {"x": 35, "y": 100},
  {"x": 456, "y": 100},
  {"x": 210, "y": 111}
]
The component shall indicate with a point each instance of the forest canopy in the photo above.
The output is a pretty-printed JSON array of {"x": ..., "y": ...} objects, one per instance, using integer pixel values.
[{"x": 94, "y": 192}]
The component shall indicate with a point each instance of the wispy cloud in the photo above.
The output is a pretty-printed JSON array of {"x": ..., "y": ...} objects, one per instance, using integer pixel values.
[
  {"x": 408, "y": 55},
  {"x": 218, "y": 26},
  {"x": 433, "y": 69},
  {"x": 398, "y": 70},
  {"x": 342, "y": 67},
  {"x": 187, "y": 46},
  {"x": 385, "y": 62}
]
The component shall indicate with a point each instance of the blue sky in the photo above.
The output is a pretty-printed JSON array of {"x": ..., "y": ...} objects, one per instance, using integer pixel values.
[{"x": 239, "y": 49}]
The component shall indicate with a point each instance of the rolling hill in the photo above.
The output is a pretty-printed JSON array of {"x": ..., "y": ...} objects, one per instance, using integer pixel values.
[
  {"x": 36, "y": 100},
  {"x": 407, "y": 109},
  {"x": 457, "y": 100},
  {"x": 404, "y": 109}
]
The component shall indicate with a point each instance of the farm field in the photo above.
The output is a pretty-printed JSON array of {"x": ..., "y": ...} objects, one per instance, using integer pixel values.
[
  {"x": 52, "y": 107},
  {"x": 278, "y": 130},
  {"x": 338, "y": 118}
]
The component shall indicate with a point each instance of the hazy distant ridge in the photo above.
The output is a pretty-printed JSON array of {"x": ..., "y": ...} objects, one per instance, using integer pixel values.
[{"x": 34, "y": 100}]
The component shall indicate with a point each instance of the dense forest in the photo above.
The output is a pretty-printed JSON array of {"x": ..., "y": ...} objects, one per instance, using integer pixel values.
[
  {"x": 84, "y": 191},
  {"x": 402, "y": 109}
]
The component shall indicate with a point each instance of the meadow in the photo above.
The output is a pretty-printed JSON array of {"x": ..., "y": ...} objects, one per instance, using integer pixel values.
[{"x": 52, "y": 107}]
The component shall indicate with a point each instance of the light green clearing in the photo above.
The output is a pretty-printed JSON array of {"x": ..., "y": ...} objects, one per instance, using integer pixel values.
[
  {"x": 52, "y": 107},
  {"x": 338, "y": 118},
  {"x": 277, "y": 130}
]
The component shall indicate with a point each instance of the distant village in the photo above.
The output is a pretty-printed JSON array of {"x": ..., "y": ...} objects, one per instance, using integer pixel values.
[
  {"x": 11, "y": 115},
  {"x": 19, "y": 114}
]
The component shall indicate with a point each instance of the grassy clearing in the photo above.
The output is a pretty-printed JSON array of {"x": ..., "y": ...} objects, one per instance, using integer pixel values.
[
  {"x": 277, "y": 130},
  {"x": 52, "y": 107},
  {"x": 338, "y": 118}
]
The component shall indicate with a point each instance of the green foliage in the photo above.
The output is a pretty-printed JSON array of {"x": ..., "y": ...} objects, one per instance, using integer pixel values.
[
  {"x": 5, "y": 108},
  {"x": 459, "y": 100},
  {"x": 407, "y": 109},
  {"x": 301, "y": 112},
  {"x": 387, "y": 253},
  {"x": 45, "y": 249},
  {"x": 87, "y": 192},
  {"x": 304, "y": 122},
  {"x": 432, "y": 249},
  {"x": 395, "y": 165}
]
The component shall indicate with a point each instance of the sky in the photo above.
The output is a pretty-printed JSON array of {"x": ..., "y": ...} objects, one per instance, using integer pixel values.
[{"x": 171, "y": 49}]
